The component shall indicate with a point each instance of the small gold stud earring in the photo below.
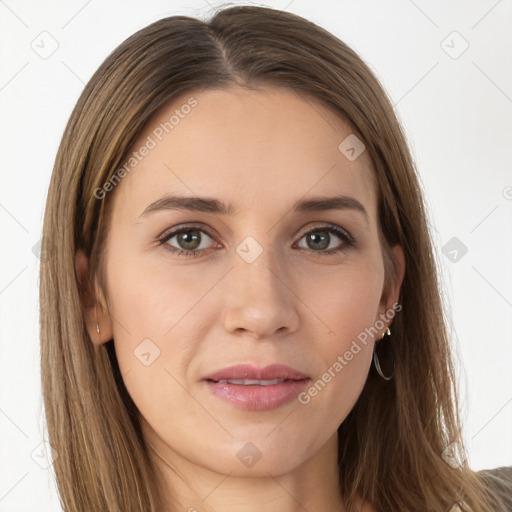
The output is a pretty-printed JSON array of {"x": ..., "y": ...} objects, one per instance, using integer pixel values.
[{"x": 96, "y": 313}]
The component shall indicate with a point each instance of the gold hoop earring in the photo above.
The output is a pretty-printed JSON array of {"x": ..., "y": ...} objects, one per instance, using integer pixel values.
[{"x": 379, "y": 347}]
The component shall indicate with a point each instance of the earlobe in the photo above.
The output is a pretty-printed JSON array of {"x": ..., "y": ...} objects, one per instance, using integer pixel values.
[
  {"x": 102, "y": 325},
  {"x": 94, "y": 307}
]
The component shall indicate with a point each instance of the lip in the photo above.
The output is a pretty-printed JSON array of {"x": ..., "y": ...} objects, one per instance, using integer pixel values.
[
  {"x": 248, "y": 371},
  {"x": 257, "y": 397}
]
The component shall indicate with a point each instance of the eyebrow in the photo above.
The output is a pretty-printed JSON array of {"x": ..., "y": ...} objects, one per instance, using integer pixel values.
[{"x": 210, "y": 205}]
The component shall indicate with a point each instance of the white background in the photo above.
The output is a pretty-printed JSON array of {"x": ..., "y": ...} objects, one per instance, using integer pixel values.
[{"x": 457, "y": 113}]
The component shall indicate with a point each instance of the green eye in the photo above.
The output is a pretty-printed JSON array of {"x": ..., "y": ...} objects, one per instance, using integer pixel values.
[{"x": 189, "y": 239}]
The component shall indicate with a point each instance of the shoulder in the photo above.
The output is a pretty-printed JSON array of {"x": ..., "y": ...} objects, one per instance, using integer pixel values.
[{"x": 499, "y": 481}]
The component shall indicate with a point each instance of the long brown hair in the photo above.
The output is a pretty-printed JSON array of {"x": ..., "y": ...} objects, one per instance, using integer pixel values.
[{"x": 391, "y": 444}]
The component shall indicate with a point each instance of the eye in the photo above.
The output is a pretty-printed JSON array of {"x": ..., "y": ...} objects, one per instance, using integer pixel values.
[
  {"x": 189, "y": 237},
  {"x": 190, "y": 240},
  {"x": 319, "y": 238}
]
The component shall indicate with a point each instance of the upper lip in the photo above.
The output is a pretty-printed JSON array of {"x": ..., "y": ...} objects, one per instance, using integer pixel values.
[{"x": 248, "y": 371}]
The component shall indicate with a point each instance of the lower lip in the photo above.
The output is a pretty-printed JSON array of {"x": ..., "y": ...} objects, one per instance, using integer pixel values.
[{"x": 258, "y": 398}]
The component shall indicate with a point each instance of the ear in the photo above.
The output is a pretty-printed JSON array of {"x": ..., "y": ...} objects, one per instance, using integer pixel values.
[
  {"x": 391, "y": 295},
  {"x": 94, "y": 305}
]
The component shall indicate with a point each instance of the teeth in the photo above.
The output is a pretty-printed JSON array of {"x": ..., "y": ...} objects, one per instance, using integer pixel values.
[{"x": 249, "y": 382}]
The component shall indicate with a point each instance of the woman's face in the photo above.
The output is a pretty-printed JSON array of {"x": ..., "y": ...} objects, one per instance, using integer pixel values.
[{"x": 261, "y": 287}]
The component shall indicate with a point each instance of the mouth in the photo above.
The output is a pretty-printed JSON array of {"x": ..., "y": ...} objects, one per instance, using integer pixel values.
[{"x": 251, "y": 388}]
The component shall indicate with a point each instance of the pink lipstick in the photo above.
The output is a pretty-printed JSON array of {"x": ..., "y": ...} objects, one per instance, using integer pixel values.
[{"x": 251, "y": 388}]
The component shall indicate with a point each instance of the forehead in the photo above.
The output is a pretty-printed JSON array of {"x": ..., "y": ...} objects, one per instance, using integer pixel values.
[{"x": 258, "y": 149}]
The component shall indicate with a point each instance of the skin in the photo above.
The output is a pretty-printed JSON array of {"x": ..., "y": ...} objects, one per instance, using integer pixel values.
[{"x": 262, "y": 150}]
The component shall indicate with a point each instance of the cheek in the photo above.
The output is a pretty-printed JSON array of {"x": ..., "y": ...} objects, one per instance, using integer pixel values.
[
  {"x": 348, "y": 308},
  {"x": 345, "y": 299},
  {"x": 150, "y": 300},
  {"x": 346, "y": 356},
  {"x": 154, "y": 311}
]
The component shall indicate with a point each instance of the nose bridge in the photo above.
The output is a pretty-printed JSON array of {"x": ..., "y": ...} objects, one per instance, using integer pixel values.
[
  {"x": 256, "y": 265},
  {"x": 258, "y": 299}
]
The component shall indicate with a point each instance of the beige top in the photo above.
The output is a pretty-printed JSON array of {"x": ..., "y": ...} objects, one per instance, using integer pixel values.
[{"x": 500, "y": 482}]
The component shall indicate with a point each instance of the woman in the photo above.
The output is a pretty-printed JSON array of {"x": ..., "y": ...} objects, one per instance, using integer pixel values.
[{"x": 200, "y": 351}]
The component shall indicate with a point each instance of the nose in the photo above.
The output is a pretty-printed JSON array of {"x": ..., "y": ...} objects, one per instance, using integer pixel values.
[{"x": 260, "y": 298}]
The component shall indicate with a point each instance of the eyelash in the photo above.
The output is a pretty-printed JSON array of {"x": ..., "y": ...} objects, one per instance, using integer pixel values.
[{"x": 341, "y": 233}]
